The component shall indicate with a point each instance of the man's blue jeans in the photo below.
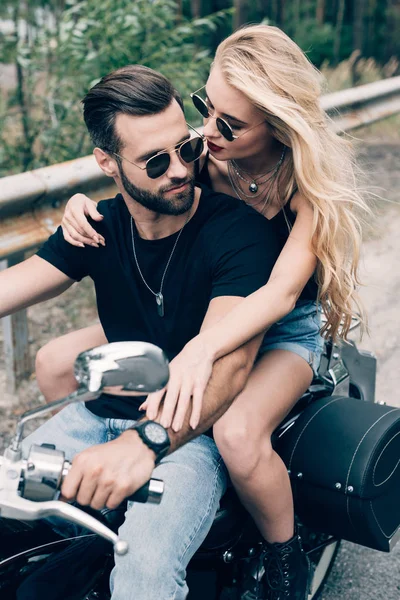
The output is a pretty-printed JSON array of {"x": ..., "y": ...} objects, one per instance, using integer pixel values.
[{"x": 162, "y": 538}]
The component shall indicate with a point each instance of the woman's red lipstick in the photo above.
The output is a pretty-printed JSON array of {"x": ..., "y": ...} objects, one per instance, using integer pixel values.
[{"x": 214, "y": 147}]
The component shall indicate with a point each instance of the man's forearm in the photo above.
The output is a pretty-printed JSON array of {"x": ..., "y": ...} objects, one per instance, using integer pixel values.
[{"x": 228, "y": 379}]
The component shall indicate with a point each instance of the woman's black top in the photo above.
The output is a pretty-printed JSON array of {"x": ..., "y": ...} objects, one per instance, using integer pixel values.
[{"x": 282, "y": 224}]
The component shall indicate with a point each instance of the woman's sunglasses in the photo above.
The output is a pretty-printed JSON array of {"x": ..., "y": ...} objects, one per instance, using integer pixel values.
[
  {"x": 188, "y": 151},
  {"x": 223, "y": 126}
]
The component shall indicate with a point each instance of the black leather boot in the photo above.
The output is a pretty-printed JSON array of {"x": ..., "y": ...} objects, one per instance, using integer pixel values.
[{"x": 287, "y": 571}]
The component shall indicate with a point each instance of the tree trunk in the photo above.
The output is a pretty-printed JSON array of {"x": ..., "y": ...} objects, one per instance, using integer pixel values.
[
  {"x": 371, "y": 38},
  {"x": 358, "y": 24},
  {"x": 296, "y": 15},
  {"x": 264, "y": 8},
  {"x": 241, "y": 13},
  {"x": 179, "y": 14},
  {"x": 391, "y": 44},
  {"x": 196, "y": 6},
  {"x": 280, "y": 16},
  {"x": 320, "y": 12},
  {"x": 338, "y": 33},
  {"x": 27, "y": 155}
]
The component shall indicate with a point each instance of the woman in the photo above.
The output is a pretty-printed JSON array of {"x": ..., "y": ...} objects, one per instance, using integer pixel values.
[{"x": 270, "y": 145}]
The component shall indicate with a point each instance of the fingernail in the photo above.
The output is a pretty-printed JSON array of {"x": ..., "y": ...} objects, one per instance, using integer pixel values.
[
  {"x": 94, "y": 245},
  {"x": 81, "y": 245},
  {"x": 176, "y": 427}
]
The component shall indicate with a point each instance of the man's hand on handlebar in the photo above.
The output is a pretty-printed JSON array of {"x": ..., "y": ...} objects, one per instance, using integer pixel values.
[{"x": 106, "y": 474}]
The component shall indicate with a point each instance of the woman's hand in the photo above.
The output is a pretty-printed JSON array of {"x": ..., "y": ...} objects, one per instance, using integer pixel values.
[
  {"x": 190, "y": 372},
  {"x": 75, "y": 226}
]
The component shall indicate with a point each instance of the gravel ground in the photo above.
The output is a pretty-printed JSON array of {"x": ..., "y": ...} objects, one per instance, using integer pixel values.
[{"x": 359, "y": 573}]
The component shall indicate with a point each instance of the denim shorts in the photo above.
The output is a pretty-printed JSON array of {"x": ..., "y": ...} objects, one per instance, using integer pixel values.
[{"x": 298, "y": 332}]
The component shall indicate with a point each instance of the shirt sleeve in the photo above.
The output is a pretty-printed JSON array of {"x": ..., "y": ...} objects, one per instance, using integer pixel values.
[
  {"x": 68, "y": 259},
  {"x": 245, "y": 254}
]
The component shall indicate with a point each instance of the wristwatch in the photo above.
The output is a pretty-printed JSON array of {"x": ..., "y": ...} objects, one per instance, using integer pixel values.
[{"x": 155, "y": 436}]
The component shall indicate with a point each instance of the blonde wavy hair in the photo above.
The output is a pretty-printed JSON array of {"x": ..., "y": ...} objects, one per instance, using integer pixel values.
[{"x": 273, "y": 73}]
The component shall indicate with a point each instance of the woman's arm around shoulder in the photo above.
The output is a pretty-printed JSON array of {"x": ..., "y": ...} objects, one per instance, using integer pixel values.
[{"x": 76, "y": 228}]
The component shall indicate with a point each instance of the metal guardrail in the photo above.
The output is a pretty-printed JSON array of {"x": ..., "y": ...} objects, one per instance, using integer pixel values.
[
  {"x": 363, "y": 105},
  {"x": 31, "y": 203}
]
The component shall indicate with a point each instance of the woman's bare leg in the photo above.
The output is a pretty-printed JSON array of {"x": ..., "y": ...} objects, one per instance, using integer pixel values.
[
  {"x": 243, "y": 436},
  {"x": 55, "y": 361}
]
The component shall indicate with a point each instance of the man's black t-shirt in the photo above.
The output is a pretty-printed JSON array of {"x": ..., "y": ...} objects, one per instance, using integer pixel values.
[{"x": 226, "y": 249}]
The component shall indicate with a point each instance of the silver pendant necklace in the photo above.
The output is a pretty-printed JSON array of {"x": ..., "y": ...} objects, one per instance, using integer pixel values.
[
  {"x": 158, "y": 295},
  {"x": 263, "y": 196},
  {"x": 255, "y": 182}
]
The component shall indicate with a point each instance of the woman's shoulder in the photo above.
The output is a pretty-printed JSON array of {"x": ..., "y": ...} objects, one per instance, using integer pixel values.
[{"x": 298, "y": 203}]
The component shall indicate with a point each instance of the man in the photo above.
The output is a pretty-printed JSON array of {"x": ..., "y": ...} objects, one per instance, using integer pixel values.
[{"x": 177, "y": 259}]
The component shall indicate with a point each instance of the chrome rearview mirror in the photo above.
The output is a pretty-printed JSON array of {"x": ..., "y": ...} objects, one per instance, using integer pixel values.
[{"x": 122, "y": 369}]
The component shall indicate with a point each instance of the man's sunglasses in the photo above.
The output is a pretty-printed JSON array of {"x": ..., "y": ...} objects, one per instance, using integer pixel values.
[
  {"x": 188, "y": 151},
  {"x": 223, "y": 126}
]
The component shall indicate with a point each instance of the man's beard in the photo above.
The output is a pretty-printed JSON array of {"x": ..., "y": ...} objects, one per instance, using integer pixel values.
[{"x": 156, "y": 202}]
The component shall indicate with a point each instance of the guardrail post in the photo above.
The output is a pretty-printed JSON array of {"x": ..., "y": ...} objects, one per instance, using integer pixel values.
[{"x": 15, "y": 334}]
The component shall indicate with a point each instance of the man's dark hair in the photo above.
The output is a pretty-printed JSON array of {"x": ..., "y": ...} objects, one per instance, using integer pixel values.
[{"x": 133, "y": 90}]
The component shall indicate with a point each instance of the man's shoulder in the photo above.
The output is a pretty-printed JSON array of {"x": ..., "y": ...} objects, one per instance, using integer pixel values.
[
  {"x": 114, "y": 217},
  {"x": 108, "y": 206}
]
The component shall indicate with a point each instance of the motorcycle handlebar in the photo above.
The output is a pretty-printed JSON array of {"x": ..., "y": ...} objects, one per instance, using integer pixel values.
[{"x": 151, "y": 491}]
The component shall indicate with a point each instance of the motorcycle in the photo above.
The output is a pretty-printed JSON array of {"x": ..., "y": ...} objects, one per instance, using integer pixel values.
[{"x": 349, "y": 489}]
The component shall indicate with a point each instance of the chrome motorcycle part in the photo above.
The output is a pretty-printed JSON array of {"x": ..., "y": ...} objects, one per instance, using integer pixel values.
[
  {"x": 340, "y": 379},
  {"x": 123, "y": 368},
  {"x": 322, "y": 550},
  {"x": 42, "y": 473},
  {"x": 120, "y": 368},
  {"x": 156, "y": 490},
  {"x": 27, "y": 510}
]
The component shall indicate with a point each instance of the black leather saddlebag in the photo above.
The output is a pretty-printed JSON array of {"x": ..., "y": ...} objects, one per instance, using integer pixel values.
[{"x": 343, "y": 456}]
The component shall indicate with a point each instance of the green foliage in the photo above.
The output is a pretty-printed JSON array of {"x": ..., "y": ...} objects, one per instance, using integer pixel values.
[
  {"x": 318, "y": 40},
  {"x": 62, "y": 58}
]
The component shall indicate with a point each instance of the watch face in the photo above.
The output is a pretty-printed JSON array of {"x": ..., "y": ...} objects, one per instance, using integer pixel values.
[{"x": 156, "y": 433}]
